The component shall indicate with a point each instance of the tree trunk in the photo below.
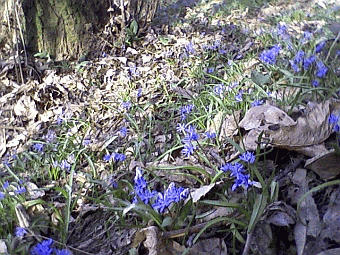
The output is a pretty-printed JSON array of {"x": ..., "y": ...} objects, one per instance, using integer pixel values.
[{"x": 62, "y": 28}]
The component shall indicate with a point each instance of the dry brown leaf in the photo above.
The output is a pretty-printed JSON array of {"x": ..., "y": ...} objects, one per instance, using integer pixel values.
[
  {"x": 26, "y": 107},
  {"x": 311, "y": 128},
  {"x": 326, "y": 164},
  {"x": 227, "y": 124}
]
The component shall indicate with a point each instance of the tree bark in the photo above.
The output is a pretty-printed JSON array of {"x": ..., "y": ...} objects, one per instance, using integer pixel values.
[{"x": 63, "y": 28}]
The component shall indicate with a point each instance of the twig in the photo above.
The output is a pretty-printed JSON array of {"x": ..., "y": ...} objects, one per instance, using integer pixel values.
[{"x": 11, "y": 127}]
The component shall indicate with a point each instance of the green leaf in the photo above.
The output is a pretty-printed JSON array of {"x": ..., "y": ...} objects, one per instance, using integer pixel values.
[
  {"x": 215, "y": 221},
  {"x": 43, "y": 54},
  {"x": 164, "y": 40},
  {"x": 259, "y": 206},
  {"x": 167, "y": 221},
  {"x": 259, "y": 78},
  {"x": 134, "y": 27}
]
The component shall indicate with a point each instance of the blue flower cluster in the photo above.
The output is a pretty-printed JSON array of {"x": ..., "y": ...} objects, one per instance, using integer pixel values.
[
  {"x": 171, "y": 195},
  {"x": 19, "y": 190},
  {"x": 219, "y": 90},
  {"x": 257, "y": 103},
  {"x": 185, "y": 110},
  {"x": 65, "y": 164},
  {"x": 269, "y": 56},
  {"x": 126, "y": 105},
  {"x": 163, "y": 201},
  {"x": 115, "y": 156},
  {"x": 4, "y": 187},
  {"x": 189, "y": 48},
  {"x": 300, "y": 60},
  {"x": 238, "y": 171},
  {"x": 140, "y": 188},
  {"x": 190, "y": 136},
  {"x": 44, "y": 248}
]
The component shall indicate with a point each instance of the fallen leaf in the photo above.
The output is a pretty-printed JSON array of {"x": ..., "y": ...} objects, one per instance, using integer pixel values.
[
  {"x": 26, "y": 107},
  {"x": 33, "y": 191},
  {"x": 332, "y": 223},
  {"x": 224, "y": 123},
  {"x": 280, "y": 130},
  {"x": 326, "y": 165},
  {"x": 213, "y": 246},
  {"x": 200, "y": 192}
]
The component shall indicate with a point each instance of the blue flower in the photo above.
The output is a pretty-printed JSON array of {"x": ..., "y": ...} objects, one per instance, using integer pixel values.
[
  {"x": 87, "y": 141},
  {"x": 248, "y": 157},
  {"x": 190, "y": 48},
  {"x": 188, "y": 149},
  {"x": 336, "y": 128},
  {"x": 38, "y": 147},
  {"x": 60, "y": 119},
  {"x": 171, "y": 195},
  {"x": 210, "y": 135},
  {"x": 192, "y": 136},
  {"x": 126, "y": 105},
  {"x": 118, "y": 157},
  {"x": 227, "y": 167},
  {"x": 333, "y": 119},
  {"x": 123, "y": 131},
  {"x": 20, "y": 232},
  {"x": 190, "y": 129},
  {"x": 299, "y": 57},
  {"x": 107, "y": 157},
  {"x": 65, "y": 165},
  {"x": 134, "y": 71},
  {"x": 43, "y": 248},
  {"x": 269, "y": 56},
  {"x": 308, "y": 61},
  {"x": 281, "y": 29},
  {"x": 319, "y": 47},
  {"x": 294, "y": 66},
  {"x": 243, "y": 181},
  {"x": 257, "y": 103},
  {"x": 139, "y": 92},
  {"x": 50, "y": 136},
  {"x": 307, "y": 35},
  {"x": 186, "y": 110},
  {"x": 238, "y": 97},
  {"x": 322, "y": 69},
  {"x": 180, "y": 127},
  {"x": 62, "y": 252},
  {"x": 2, "y": 195},
  {"x": 237, "y": 169},
  {"x": 20, "y": 190},
  {"x": 315, "y": 83},
  {"x": 219, "y": 89},
  {"x": 210, "y": 70},
  {"x": 145, "y": 195},
  {"x": 161, "y": 203},
  {"x": 5, "y": 185},
  {"x": 140, "y": 188}
]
